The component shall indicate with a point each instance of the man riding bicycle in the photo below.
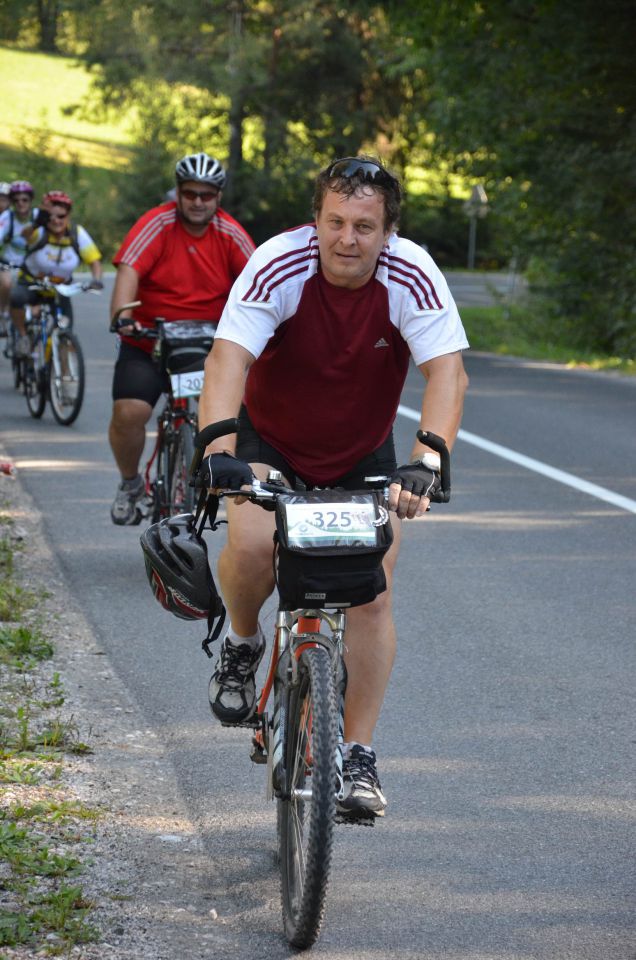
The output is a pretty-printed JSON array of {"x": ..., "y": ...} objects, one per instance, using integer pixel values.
[
  {"x": 311, "y": 353},
  {"x": 180, "y": 260},
  {"x": 13, "y": 244},
  {"x": 56, "y": 248}
]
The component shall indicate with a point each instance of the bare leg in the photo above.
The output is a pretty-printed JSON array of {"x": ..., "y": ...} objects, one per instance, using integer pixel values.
[
  {"x": 370, "y": 641},
  {"x": 245, "y": 563},
  {"x": 17, "y": 319},
  {"x": 5, "y": 289},
  {"x": 127, "y": 434}
]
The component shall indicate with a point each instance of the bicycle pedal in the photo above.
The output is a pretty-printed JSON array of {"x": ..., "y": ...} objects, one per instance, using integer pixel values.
[
  {"x": 258, "y": 754},
  {"x": 251, "y": 724}
]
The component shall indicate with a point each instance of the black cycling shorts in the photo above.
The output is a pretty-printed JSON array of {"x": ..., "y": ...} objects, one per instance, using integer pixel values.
[
  {"x": 137, "y": 376},
  {"x": 21, "y": 295},
  {"x": 251, "y": 448}
]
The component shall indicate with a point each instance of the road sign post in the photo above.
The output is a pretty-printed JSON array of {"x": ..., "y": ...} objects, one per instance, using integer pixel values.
[{"x": 476, "y": 207}]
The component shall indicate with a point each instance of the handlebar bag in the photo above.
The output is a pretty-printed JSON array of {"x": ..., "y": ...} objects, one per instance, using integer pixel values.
[
  {"x": 330, "y": 545},
  {"x": 183, "y": 345}
]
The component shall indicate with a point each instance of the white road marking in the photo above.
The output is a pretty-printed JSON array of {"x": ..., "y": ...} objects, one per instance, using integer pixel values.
[{"x": 531, "y": 464}]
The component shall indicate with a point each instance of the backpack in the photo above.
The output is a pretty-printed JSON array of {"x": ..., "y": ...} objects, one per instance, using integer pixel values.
[{"x": 44, "y": 239}]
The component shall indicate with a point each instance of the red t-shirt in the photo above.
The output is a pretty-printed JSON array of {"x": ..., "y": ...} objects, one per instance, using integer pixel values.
[{"x": 182, "y": 277}]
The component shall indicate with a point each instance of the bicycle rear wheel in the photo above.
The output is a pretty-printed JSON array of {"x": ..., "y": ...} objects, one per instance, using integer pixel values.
[
  {"x": 34, "y": 379},
  {"x": 307, "y": 807},
  {"x": 66, "y": 376},
  {"x": 182, "y": 495}
]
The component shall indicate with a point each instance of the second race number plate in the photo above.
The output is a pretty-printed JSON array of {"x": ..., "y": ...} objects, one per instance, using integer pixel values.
[{"x": 187, "y": 384}]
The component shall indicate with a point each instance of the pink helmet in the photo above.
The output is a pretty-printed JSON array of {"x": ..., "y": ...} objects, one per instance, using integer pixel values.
[
  {"x": 58, "y": 196},
  {"x": 21, "y": 186}
]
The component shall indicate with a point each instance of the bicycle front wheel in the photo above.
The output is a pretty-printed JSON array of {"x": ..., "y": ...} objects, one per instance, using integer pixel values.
[
  {"x": 182, "y": 495},
  {"x": 34, "y": 379},
  {"x": 307, "y": 804},
  {"x": 66, "y": 376}
]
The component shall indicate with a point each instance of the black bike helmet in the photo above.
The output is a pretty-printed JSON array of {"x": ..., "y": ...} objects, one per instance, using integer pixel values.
[
  {"x": 180, "y": 578},
  {"x": 201, "y": 168}
]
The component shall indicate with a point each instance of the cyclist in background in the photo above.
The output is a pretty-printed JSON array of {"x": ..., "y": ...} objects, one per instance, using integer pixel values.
[
  {"x": 311, "y": 353},
  {"x": 5, "y": 199},
  {"x": 13, "y": 244},
  {"x": 180, "y": 260},
  {"x": 56, "y": 247}
]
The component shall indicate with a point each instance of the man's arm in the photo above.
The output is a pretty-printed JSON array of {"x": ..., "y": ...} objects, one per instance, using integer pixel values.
[
  {"x": 125, "y": 289},
  {"x": 442, "y": 407},
  {"x": 226, "y": 370},
  {"x": 443, "y": 403}
]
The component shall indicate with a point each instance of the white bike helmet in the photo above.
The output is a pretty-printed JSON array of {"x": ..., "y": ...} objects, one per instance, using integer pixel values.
[
  {"x": 202, "y": 168},
  {"x": 5, "y": 188}
]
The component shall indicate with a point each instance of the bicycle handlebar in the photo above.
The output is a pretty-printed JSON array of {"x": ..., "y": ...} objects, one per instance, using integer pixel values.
[
  {"x": 225, "y": 427},
  {"x": 65, "y": 289},
  {"x": 438, "y": 444}
]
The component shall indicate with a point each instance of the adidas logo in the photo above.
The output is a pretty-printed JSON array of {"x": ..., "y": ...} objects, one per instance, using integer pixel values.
[{"x": 381, "y": 343}]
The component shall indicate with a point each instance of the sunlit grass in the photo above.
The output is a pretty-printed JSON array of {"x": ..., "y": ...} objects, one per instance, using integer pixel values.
[
  {"x": 508, "y": 331},
  {"x": 40, "y": 92}
]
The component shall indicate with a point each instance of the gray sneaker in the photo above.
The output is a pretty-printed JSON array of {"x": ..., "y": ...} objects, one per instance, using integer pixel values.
[
  {"x": 363, "y": 797},
  {"x": 232, "y": 690},
  {"x": 125, "y": 510}
]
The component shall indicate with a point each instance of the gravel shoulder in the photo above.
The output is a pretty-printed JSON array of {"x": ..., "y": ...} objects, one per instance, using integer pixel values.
[{"x": 143, "y": 846}]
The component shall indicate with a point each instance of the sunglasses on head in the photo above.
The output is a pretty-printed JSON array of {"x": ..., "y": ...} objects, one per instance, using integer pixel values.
[
  {"x": 205, "y": 195},
  {"x": 367, "y": 170}
]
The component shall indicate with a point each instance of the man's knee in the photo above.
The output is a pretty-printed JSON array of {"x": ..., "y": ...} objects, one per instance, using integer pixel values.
[{"x": 130, "y": 414}]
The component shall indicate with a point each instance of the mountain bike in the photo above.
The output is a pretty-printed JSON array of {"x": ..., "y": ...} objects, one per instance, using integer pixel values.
[
  {"x": 329, "y": 545},
  {"x": 180, "y": 349},
  {"x": 54, "y": 367}
]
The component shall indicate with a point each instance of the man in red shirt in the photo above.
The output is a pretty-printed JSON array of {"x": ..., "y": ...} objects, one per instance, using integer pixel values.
[{"x": 180, "y": 260}]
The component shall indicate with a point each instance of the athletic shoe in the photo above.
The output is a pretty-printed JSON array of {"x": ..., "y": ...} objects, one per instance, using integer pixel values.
[
  {"x": 125, "y": 510},
  {"x": 232, "y": 690},
  {"x": 363, "y": 795}
]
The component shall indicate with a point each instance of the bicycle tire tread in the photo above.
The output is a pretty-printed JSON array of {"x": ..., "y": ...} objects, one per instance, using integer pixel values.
[{"x": 303, "y": 923}]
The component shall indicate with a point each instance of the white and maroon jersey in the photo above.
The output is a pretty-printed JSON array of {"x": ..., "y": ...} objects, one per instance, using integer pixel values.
[{"x": 331, "y": 362}]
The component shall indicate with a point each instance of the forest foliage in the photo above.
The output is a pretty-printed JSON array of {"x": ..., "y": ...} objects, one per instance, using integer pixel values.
[{"x": 534, "y": 100}]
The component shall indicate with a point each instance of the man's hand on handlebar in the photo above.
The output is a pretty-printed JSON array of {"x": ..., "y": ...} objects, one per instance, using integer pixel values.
[
  {"x": 413, "y": 486},
  {"x": 223, "y": 471},
  {"x": 126, "y": 325}
]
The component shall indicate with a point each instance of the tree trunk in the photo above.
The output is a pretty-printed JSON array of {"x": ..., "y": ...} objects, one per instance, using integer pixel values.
[
  {"x": 237, "y": 110},
  {"x": 48, "y": 14}
]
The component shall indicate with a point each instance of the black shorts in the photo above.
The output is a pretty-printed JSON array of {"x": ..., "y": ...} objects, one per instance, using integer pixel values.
[
  {"x": 253, "y": 449},
  {"x": 137, "y": 376},
  {"x": 21, "y": 295}
]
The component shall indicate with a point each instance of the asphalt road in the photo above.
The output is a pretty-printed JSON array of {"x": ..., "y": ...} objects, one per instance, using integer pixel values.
[{"x": 506, "y": 741}]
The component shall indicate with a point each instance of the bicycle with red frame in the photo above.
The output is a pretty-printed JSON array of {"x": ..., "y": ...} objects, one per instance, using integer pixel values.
[
  {"x": 328, "y": 550},
  {"x": 180, "y": 349}
]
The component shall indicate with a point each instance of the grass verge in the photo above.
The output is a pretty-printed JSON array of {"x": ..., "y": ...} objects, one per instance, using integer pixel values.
[
  {"x": 513, "y": 331},
  {"x": 43, "y": 831}
]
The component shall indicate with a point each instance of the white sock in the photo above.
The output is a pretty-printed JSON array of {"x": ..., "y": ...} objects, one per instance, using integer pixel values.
[
  {"x": 235, "y": 640},
  {"x": 346, "y": 748}
]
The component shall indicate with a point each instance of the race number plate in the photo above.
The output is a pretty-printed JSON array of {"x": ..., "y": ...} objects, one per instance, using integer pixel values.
[
  {"x": 187, "y": 384},
  {"x": 331, "y": 524}
]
